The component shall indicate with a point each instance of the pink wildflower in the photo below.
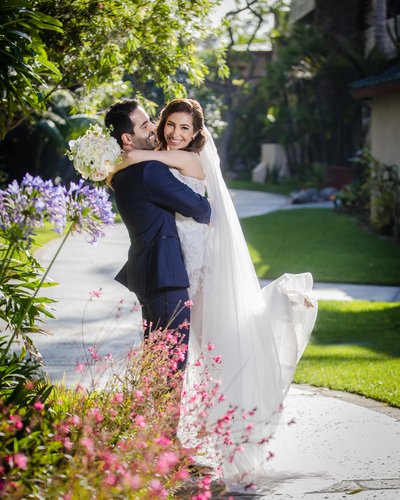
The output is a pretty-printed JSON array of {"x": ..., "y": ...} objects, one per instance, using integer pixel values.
[
  {"x": 87, "y": 443},
  {"x": 210, "y": 347},
  {"x": 17, "y": 421},
  {"x": 183, "y": 474},
  {"x": 166, "y": 462},
  {"x": 184, "y": 324},
  {"x": 140, "y": 421},
  {"x": 96, "y": 293},
  {"x": 217, "y": 359},
  {"x": 171, "y": 337},
  {"x": 20, "y": 460},
  {"x": 162, "y": 440},
  {"x": 132, "y": 481},
  {"x": 79, "y": 367},
  {"x": 93, "y": 352},
  {"x": 139, "y": 395},
  {"x": 108, "y": 357},
  {"x": 38, "y": 405},
  {"x": 181, "y": 356},
  {"x": 157, "y": 489},
  {"x": 111, "y": 479},
  {"x": 75, "y": 420},
  {"x": 270, "y": 455},
  {"x": 189, "y": 304},
  {"x": 118, "y": 397},
  {"x": 68, "y": 445},
  {"x": 206, "y": 482},
  {"x": 97, "y": 414}
]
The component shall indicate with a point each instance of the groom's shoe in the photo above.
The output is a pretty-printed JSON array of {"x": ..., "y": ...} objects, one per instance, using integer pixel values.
[{"x": 197, "y": 470}]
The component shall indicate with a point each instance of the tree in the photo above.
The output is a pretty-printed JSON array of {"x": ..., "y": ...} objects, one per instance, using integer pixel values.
[
  {"x": 311, "y": 109},
  {"x": 380, "y": 14},
  {"x": 24, "y": 66},
  {"x": 245, "y": 27},
  {"x": 99, "y": 43},
  {"x": 149, "y": 39}
]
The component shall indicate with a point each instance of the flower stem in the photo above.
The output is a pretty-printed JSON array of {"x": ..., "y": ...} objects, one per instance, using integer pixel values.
[
  {"x": 7, "y": 261},
  {"x": 29, "y": 305}
]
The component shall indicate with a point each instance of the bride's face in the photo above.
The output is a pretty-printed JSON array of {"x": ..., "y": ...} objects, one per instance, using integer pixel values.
[{"x": 178, "y": 130}]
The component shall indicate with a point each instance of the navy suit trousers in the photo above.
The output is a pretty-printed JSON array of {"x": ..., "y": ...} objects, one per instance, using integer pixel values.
[{"x": 165, "y": 308}]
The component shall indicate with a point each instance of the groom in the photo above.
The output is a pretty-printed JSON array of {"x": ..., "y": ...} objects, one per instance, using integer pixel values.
[{"x": 147, "y": 196}]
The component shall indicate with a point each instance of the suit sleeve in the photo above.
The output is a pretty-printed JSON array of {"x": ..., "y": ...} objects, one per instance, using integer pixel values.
[{"x": 164, "y": 189}]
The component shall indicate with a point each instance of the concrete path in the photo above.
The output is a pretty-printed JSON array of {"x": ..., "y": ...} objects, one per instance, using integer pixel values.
[{"x": 340, "y": 445}]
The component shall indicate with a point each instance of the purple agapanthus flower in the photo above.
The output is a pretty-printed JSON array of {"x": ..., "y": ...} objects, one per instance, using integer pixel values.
[
  {"x": 26, "y": 206},
  {"x": 88, "y": 208}
]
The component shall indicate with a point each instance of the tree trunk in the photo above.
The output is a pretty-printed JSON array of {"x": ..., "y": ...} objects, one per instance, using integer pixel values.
[
  {"x": 380, "y": 13},
  {"x": 223, "y": 143}
]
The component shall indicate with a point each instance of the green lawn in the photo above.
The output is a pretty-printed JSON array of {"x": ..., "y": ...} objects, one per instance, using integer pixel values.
[
  {"x": 332, "y": 247},
  {"x": 286, "y": 187},
  {"x": 43, "y": 235},
  {"x": 355, "y": 347}
]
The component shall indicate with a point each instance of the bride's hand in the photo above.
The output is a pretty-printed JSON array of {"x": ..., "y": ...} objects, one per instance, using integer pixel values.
[
  {"x": 307, "y": 302},
  {"x": 126, "y": 159}
]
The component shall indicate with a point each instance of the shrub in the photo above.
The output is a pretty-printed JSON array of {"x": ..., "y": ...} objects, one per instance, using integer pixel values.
[{"x": 374, "y": 196}]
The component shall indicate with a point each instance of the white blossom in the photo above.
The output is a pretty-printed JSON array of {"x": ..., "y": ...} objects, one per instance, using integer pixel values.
[{"x": 94, "y": 154}]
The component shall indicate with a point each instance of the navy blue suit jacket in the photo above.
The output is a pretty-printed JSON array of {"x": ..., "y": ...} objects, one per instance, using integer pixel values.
[{"x": 147, "y": 196}]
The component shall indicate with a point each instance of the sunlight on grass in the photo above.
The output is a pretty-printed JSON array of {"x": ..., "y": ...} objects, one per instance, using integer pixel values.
[
  {"x": 333, "y": 247},
  {"x": 352, "y": 368},
  {"x": 355, "y": 347},
  {"x": 259, "y": 264},
  {"x": 44, "y": 235}
]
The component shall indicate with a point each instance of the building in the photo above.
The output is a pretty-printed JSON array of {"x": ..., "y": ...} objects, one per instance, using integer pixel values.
[{"x": 383, "y": 93}]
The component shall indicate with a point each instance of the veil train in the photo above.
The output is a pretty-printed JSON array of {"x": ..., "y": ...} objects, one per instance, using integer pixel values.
[{"x": 259, "y": 333}]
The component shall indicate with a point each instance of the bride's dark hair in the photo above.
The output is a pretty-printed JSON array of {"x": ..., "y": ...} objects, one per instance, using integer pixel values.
[{"x": 192, "y": 108}]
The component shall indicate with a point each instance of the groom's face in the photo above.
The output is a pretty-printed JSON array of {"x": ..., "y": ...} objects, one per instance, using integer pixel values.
[{"x": 143, "y": 136}]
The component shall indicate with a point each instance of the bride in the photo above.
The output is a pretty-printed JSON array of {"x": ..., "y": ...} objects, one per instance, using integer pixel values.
[{"x": 259, "y": 333}]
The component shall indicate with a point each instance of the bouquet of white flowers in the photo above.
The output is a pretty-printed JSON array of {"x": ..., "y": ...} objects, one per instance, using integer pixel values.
[{"x": 94, "y": 153}]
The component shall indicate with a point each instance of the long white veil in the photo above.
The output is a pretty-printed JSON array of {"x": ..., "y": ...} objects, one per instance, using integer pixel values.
[{"x": 259, "y": 333}]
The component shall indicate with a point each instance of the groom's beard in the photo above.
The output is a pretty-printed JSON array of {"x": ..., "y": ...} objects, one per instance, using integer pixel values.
[{"x": 149, "y": 143}]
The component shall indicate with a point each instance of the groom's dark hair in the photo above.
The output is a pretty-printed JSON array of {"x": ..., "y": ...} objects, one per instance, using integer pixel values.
[{"x": 117, "y": 118}]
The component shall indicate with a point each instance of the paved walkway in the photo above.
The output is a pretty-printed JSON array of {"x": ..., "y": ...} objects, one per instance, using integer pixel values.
[{"x": 341, "y": 443}]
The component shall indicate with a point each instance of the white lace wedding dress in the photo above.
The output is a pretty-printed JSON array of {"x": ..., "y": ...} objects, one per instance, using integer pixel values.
[
  {"x": 259, "y": 333},
  {"x": 193, "y": 237}
]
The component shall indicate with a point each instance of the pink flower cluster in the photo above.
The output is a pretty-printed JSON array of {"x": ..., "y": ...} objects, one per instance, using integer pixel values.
[{"x": 123, "y": 439}]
